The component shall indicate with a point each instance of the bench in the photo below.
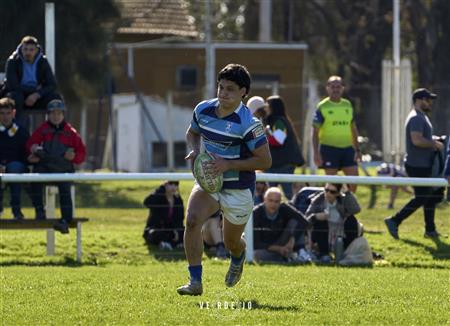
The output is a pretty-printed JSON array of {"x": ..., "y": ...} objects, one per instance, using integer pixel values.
[{"x": 28, "y": 224}]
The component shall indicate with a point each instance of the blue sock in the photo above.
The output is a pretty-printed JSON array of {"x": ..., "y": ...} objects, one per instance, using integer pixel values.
[
  {"x": 237, "y": 260},
  {"x": 196, "y": 273}
]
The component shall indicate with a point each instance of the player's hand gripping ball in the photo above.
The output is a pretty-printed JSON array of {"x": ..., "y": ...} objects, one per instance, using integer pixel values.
[{"x": 210, "y": 182}]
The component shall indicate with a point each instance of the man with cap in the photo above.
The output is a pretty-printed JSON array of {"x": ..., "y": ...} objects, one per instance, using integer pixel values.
[
  {"x": 420, "y": 147},
  {"x": 54, "y": 147},
  {"x": 256, "y": 105}
]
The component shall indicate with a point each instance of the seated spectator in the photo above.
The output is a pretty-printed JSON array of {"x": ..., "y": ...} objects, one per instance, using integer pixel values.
[
  {"x": 164, "y": 226},
  {"x": 260, "y": 189},
  {"x": 13, "y": 138},
  {"x": 302, "y": 199},
  {"x": 54, "y": 147},
  {"x": 331, "y": 214},
  {"x": 277, "y": 227},
  {"x": 392, "y": 170},
  {"x": 212, "y": 235},
  {"x": 29, "y": 78}
]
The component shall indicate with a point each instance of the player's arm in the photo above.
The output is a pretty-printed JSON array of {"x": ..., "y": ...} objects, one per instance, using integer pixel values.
[
  {"x": 260, "y": 160},
  {"x": 317, "y": 122},
  {"x": 355, "y": 135},
  {"x": 193, "y": 142}
]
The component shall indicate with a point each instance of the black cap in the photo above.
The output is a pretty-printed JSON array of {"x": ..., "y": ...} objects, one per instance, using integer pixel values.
[{"x": 422, "y": 93}]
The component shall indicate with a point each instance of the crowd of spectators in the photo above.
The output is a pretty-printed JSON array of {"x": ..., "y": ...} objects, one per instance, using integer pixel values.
[{"x": 53, "y": 147}]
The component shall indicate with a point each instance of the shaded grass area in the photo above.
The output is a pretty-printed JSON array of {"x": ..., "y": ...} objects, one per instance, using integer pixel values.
[{"x": 119, "y": 282}]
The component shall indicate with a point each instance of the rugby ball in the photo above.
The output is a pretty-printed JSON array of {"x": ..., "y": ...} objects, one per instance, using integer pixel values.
[{"x": 209, "y": 182}]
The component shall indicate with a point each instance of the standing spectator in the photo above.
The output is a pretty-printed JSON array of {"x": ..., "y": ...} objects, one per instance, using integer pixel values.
[
  {"x": 335, "y": 135},
  {"x": 55, "y": 147},
  {"x": 277, "y": 228},
  {"x": 332, "y": 215},
  {"x": 286, "y": 154},
  {"x": 165, "y": 220},
  {"x": 420, "y": 148},
  {"x": 12, "y": 153},
  {"x": 29, "y": 78},
  {"x": 257, "y": 105}
]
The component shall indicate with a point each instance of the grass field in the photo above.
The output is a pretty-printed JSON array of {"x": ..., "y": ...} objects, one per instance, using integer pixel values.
[{"x": 120, "y": 282}]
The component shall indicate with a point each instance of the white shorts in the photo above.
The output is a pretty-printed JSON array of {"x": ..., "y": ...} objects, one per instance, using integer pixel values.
[{"x": 235, "y": 204}]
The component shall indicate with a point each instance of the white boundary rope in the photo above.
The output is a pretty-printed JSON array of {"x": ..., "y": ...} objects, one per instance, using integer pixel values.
[{"x": 270, "y": 177}]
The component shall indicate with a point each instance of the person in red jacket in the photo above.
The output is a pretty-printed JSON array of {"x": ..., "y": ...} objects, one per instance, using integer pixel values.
[{"x": 55, "y": 147}]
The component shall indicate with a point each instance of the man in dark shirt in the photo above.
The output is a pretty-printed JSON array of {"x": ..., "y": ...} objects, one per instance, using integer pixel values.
[
  {"x": 12, "y": 153},
  {"x": 420, "y": 148},
  {"x": 277, "y": 226}
]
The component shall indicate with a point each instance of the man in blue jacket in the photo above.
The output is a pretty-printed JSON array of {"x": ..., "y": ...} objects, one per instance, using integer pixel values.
[{"x": 29, "y": 78}]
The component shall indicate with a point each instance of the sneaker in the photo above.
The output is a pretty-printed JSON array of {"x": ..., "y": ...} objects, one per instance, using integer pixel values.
[
  {"x": 165, "y": 246},
  {"x": 234, "y": 272},
  {"x": 303, "y": 256},
  {"x": 432, "y": 234},
  {"x": 61, "y": 226},
  {"x": 392, "y": 227},
  {"x": 292, "y": 258},
  {"x": 192, "y": 288}
]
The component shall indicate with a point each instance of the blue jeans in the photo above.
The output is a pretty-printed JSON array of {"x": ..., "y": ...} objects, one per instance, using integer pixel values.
[
  {"x": 287, "y": 186},
  {"x": 15, "y": 188}
]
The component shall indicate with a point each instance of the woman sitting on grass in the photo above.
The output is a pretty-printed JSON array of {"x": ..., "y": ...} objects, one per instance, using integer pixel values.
[
  {"x": 165, "y": 221},
  {"x": 331, "y": 214}
]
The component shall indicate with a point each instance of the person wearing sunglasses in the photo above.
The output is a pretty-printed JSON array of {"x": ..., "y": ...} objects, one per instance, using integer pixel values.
[
  {"x": 332, "y": 215},
  {"x": 164, "y": 226}
]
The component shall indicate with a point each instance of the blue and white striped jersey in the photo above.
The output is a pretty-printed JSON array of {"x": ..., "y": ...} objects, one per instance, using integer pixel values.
[{"x": 232, "y": 137}]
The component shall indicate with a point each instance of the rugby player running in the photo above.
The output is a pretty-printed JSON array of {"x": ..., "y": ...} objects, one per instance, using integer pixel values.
[{"x": 238, "y": 143}]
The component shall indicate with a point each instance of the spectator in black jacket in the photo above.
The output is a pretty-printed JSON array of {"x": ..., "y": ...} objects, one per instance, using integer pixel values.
[
  {"x": 13, "y": 138},
  {"x": 29, "y": 78},
  {"x": 284, "y": 148},
  {"x": 277, "y": 228},
  {"x": 165, "y": 221}
]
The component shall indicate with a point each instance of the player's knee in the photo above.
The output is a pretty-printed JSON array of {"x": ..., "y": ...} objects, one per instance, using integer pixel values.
[
  {"x": 232, "y": 245},
  {"x": 193, "y": 221}
]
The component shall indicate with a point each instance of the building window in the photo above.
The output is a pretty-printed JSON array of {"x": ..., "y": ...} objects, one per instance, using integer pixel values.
[
  {"x": 161, "y": 159},
  {"x": 187, "y": 77},
  {"x": 180, "y": 154},
  {"x": 159, "y": 155}
]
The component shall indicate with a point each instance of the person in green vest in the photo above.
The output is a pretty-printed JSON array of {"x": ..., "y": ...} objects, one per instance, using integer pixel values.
[{"x": 335, "y": 135}]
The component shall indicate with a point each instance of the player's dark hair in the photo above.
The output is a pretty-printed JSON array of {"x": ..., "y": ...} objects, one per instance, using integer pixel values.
[
  {"x": 29, "y": 40},
  {"x": 236, "y": 73}
]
